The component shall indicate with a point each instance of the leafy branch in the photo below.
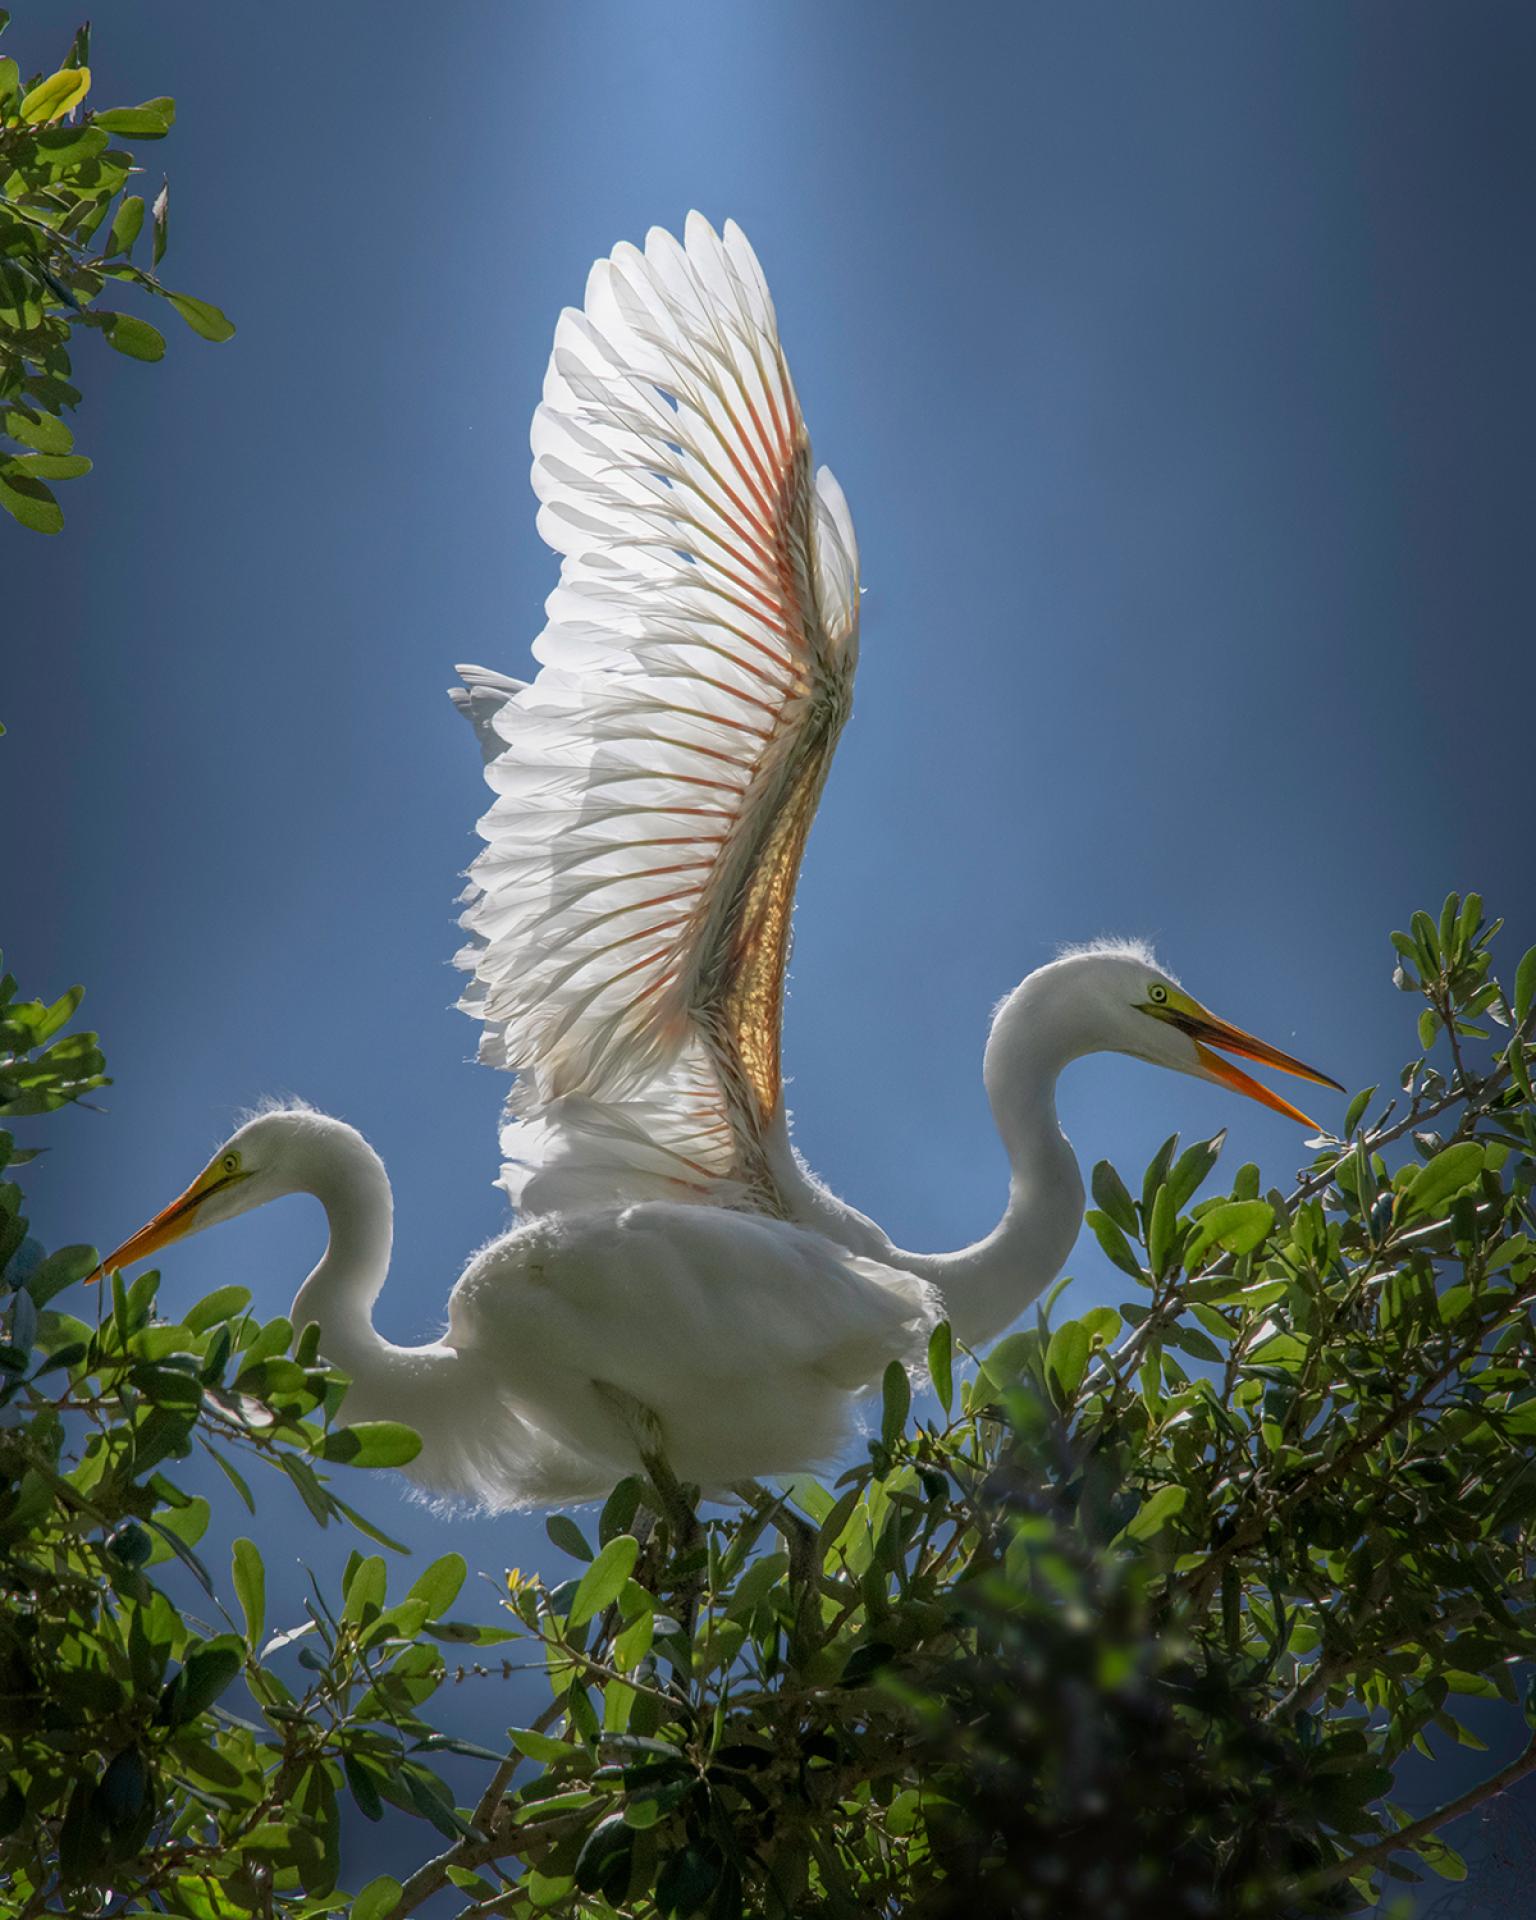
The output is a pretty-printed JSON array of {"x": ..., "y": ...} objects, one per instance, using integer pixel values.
[{"x": 69, "y": 227}]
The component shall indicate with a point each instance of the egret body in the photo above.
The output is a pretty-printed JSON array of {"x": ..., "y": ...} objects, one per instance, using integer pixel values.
[{"x": 679, "y": 1285}]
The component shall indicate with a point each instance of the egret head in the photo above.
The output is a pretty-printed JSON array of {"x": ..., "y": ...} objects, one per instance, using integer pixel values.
[
  {"x": 254, "y": 1165},
  {"x": 1114, "y": 997}
]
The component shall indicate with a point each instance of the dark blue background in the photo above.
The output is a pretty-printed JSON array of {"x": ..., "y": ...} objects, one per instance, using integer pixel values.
[{"x": 1177, "y": 362}]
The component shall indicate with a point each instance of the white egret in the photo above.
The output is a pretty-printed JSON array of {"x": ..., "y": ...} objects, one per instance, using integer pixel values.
[{"x": 679, "y": 1282}]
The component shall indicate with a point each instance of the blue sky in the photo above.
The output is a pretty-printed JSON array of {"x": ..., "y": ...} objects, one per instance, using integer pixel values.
[{"x": 1177, "y": 365}]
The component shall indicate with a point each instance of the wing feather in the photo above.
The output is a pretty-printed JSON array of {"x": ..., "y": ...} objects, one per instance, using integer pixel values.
[{"x": 628, "y": 918}]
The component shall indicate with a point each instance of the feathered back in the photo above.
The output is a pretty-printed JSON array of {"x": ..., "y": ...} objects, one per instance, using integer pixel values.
[{"x": 629, "y": 915}]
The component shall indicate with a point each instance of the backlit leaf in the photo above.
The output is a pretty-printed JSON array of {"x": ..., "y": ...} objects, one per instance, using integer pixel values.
[
  {"x": 1066, "y": 1359},
  {"x": 250, "y": 1583},
  {"x": 604, "y": 1580},
  {"x": 372, "y": 1443},
  {"x": 52, "y": 98},
  {"x": 133, "y": 336},
  {"x": 202, "y": 317}
]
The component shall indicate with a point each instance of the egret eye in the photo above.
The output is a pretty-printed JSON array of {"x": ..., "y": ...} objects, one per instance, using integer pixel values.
[
  {"x": 230, "y": 1163},
  {"x": 1157, "y": 993}
]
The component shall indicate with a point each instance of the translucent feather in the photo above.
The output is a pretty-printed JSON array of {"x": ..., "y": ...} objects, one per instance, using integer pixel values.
[{"x": 628, "y": 917}]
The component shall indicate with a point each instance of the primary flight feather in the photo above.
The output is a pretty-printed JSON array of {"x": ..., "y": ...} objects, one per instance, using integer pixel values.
[{"x": 680, "y": 1290}]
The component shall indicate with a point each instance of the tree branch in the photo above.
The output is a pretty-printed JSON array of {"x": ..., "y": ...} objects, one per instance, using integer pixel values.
[{"x": 1368, "y": 1858}]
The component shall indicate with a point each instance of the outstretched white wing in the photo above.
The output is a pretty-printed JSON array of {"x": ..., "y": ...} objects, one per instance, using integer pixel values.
[{"x": 629, "y": 915}]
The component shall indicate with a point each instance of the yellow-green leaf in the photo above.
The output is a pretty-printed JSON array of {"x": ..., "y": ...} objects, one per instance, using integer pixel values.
[
  {"x": 941, "y": 1363},
  {"x": 1237, "y": 1225},
  {"x": 1156, "y": 1513},
  {"x": 1453, "y": 1168},
  {"x": 1066, "y": 1359},
  {"x": 126, "y": 223},
  {"x": 250, "y": 1581},
  {"x": 604, "y": 1580},
  {"x": 372, "y": 1443},
  {"x": 59, "y": 94},
  {"x": 378, "y": 1898}
]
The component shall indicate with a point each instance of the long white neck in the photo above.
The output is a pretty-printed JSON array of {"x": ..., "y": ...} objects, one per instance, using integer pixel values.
[
  {"x": 1039, "y": 1029},
  {"x": 987, "y": 1285},
  {"x": 348, "y": 1179},
  {"x": 476, "y": 1444}
]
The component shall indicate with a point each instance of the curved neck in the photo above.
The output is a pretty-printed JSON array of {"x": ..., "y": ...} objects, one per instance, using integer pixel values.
[
  {"x": 348, "y": 1179},
  {"x": 987, "y": 1285}
]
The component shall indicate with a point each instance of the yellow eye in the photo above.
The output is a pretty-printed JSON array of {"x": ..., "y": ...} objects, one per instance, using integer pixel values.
[
  {"x": 230, "y": 1163},
  {"x": 1157, "y": 993}
]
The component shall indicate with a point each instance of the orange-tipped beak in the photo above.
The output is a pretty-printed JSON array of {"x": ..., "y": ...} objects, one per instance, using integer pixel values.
[
  {"x": 1207, "y": 1031},
  {"x": 172, "y": 1223}
]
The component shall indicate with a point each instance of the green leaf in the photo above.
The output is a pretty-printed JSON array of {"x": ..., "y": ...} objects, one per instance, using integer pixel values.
[
  {"x": 1111, "y": 1196},
  {"x": 808, "y": 1494},
  {"x": 1157, "y": 1173},
  {"x": 139, "y": 123},
  {"x": 1066, "y": 1359},
  {"x": 204, "y": 1676},
  {"x": 365, "y": 1525},
  {"x": 1429, "y": 1026},
  {"x": 1432, "y": 1185},
  {"x": 544, "y": 1747},
  {"x": 61, "y": 1269},
  {"x": 59, "y": 94},
  {"x": 1163, "y": 1230},
  {"x": 895, "y": 1403},
  {"x": 364, "y": 1588},
  {"x": 603, "y": 1581},
  {"x": 1357, "y": 1108},
  {"x": 364, "y": 1790},
  {"x": 44, "y": 431},
  {"x": 372, "y": 1443},
  {"x": 222, "y": 1304},
  {"x": 235, "y": 1478},
  {"x": 1190, "y": 1340},
  {"x": 439, "y": 1584},
  {"x": 1193, "y": 1164},
  {"x": 619, "y": 1509},
  {"x": 1236, "y": 1225},
  {"x": 30, "y": 502},
  {"x": 378, "y": 1898},
  {"x": 202, "y": 317},
  {"x": 1156, "y": 1513},
  {"x": 1427, "y": 936},
  {"x": 1102, "y": 1323},
  {"x": 1115, "y": 1244},
  {"x": 941, "y": 1364},
  {"x": 127, "y": 221},
  {"x": 250, "y": 1583},
  {"x": 47, "y": 466},
  {"x": 567, "y": 1536},
  {"x": 1440, "y": 1857},
  {"x": 1450, "y": 912},
  {"x": 1525, "y": 985},
  {"x": 133, "y": 336}
]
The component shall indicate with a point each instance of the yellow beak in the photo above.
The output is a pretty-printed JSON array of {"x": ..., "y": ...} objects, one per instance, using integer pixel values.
[
  {"x": 171, "y": 1223},
  {"x": 1207, "y": 1031}
]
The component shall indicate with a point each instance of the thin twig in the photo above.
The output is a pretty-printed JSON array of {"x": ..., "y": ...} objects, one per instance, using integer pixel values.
[{"x": 1382, "y": 1851}]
